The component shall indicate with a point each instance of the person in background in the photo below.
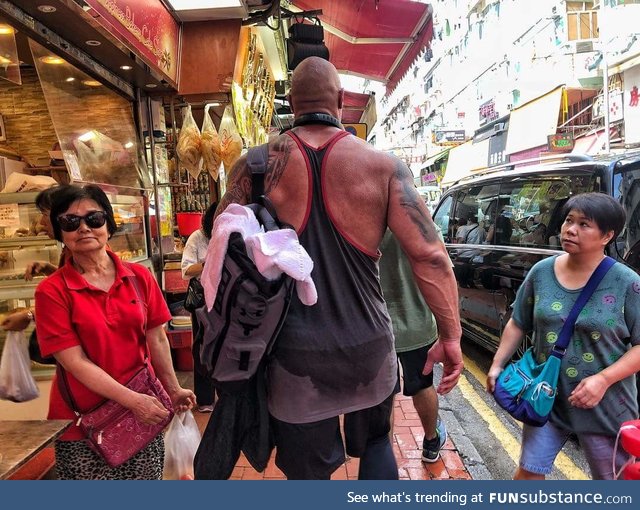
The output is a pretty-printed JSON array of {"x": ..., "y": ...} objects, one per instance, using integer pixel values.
[
  {"x": 337, "y": 357},
  {"x": 470, "y": 232},
  {"x": 193, "y": 255},
  {"x": 91, "y": 319},
  {"x": 415, "y": 331},
  {"x": 19, "y": 320},
  {"x": 596, "y": 390}
]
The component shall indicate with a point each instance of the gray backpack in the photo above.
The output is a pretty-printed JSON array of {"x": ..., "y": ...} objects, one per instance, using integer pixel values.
[{"x": 249, "y": 310}]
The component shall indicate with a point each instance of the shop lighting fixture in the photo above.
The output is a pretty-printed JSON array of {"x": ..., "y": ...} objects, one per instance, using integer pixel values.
[
  {"x": 52, "y": 59},
  {"x": 4, "y": 61},
  {"x": 213, "y": 103},
  {"x": 151, "y": 85},
  {"x": 128, "y": 145},
  {"x": 48, "y": 9},
  {"x": 187, "y": 5},
  {"x": 92, "y": 42},
  {"x": 6, "y": 30},
  {"x": 85, "y": 137},
  {"x": 70, "y": 79},
  {"x": 126, "y": 68},
  {"x": 91, "y": 83}
]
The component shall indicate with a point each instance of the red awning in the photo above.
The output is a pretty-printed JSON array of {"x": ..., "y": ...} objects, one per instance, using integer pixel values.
[
  {"x": 377, "y": 39},
  {"x": 353, "y": 107}
]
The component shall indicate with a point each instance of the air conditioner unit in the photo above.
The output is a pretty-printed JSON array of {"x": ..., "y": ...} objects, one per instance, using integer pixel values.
[
  {"x": 584, "y": 46},
  {"x": 498, "y": 128}
]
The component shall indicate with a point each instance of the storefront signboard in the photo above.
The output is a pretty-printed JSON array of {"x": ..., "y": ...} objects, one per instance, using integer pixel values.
[
  {"x": 560, "y": 142},
  {"x": 147, "y": 26},
  {"x": 357, "y": 129},
  {"x": 449, "y": 137}
]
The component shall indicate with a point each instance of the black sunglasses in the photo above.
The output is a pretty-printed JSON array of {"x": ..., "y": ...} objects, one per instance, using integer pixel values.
[{"x": 71, "y": 222}]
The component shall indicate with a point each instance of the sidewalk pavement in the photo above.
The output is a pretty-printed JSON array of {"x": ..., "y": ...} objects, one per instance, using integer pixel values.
[{"x": 407, "y": 446}]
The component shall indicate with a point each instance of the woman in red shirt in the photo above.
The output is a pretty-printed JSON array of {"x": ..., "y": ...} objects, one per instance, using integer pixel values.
[{"x": 91, "y": 320}]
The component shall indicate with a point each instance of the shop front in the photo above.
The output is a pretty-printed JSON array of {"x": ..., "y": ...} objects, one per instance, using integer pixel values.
[{"x": 70, "y": 92}]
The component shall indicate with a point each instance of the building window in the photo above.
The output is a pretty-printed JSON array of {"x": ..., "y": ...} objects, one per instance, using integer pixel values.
[{"x": 582, "y": 21}]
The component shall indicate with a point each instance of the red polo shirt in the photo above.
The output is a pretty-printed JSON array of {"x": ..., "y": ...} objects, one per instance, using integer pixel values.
[{"x": 109, "y": 326}]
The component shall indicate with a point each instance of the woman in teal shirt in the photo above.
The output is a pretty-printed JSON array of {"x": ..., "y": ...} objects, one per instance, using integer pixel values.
[{"x": 596, "y": 389}]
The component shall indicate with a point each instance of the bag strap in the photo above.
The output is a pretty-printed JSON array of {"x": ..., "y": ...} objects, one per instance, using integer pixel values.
[
  {"x": 560, "y": 348},
  {"x": 257, "y": 161},
  {"x": 65, "y": 389}
]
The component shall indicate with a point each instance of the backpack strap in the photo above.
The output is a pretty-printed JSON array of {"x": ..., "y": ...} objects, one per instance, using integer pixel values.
[{"x": 257, "y": 161}]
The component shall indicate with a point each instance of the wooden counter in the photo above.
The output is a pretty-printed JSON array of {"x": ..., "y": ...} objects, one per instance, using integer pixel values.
[{"x": 20, "y": 441}]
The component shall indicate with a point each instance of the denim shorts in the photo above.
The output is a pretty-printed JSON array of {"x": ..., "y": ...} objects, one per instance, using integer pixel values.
[{"x": 541, "y": 445}]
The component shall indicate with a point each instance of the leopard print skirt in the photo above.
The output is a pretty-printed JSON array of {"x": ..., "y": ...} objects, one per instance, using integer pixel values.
[{"x": 76, "y": 461}]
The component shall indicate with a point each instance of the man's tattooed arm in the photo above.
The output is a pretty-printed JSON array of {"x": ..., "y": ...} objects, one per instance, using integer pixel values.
[
  {"x": 278, "y": 159},
  {"x": 239, "y": 189},
  {"x": 411, "y": 202}
]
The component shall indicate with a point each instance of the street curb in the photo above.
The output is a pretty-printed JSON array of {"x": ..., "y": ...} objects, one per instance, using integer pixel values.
[{"x": 472, "y": 460}]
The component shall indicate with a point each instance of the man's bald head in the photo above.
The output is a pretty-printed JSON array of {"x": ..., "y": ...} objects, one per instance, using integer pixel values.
[{"x": 315, "y": 87}]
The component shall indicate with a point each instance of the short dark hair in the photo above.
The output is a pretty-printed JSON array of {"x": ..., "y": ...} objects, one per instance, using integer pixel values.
[
  {"x": 44, "y": 199},
  {"x": 605, "y": 210},
  {"x": 68, "y": 194},
  {"x": 207, "y": 219}
]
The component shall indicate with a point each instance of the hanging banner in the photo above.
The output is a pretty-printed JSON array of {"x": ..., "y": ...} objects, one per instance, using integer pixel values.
[{"x": 147, "y": 26}]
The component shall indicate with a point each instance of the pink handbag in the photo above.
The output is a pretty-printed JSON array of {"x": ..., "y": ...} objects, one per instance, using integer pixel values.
[{"x": 113, "y": 430}]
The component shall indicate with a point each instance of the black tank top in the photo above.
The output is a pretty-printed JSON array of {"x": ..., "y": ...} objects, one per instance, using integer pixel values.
[{"x": 336, "y": 356}]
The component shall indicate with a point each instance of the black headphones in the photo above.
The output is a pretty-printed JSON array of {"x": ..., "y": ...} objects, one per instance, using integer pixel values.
[{"x": 317, "y": 118}]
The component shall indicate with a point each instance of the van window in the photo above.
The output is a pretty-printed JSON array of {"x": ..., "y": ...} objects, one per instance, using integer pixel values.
[
  {"x": 627, "y": 190},
  {"x": 442, "y": 217},
  {"x": 533, "y": 211},
  {"x": 475, "y": 212}
]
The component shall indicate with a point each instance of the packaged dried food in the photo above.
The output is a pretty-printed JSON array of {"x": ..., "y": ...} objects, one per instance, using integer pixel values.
[
  {"x": 230, "y": 141},
  {"x": 188, "y": 146},
  {"x": 210, "y": 147}
]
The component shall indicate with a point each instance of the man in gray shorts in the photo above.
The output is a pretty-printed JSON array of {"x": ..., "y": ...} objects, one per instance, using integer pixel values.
[{"x": 415, "y": 331}]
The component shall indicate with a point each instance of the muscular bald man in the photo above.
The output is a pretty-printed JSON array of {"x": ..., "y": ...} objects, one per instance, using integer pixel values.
[{"x": 337, "y": 357}]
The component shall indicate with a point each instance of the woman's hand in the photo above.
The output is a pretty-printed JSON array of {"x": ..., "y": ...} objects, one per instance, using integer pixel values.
[
  {"x": 148, "y": 409},
  {"x": 589, "y": 392},
  {"x": 492, "y": 376},
  {"x": 182, "y": 400},
  {"x": 17, "y": 321}
]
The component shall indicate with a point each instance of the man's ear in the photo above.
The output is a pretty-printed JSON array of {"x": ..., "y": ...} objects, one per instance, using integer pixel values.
[{"x": 340, "y": 98}]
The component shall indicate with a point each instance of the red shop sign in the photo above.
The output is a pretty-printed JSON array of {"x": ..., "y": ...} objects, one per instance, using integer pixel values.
[{"x": 147, "y": 26}]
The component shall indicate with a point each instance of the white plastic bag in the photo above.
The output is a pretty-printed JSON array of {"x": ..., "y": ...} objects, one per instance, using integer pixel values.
[
  {"x": 16, "y": 382},
  {"x": 17, "y": 182},
  {"x": 181, "y": 442}
]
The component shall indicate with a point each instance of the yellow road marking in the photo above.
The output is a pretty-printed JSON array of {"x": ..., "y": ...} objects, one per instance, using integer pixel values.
[{"x": 511, "y": 445}]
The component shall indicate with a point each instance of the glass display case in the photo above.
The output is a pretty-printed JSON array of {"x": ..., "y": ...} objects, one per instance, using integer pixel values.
[
  {"x": 130, "y": 240},
  {"x": 23, "y": 239}
]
